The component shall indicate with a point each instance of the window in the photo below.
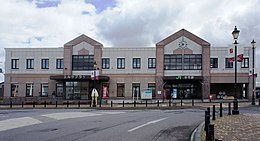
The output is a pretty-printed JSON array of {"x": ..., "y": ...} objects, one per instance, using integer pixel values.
[
  {"x": 172, "y": 61},
  {"x": 105, "y": 90},
  {"x": 120, "y": 89},
  {"x": 14, "y": 63},
  {"x": 151, "y": 63},
  {"x": 136, "y": 63},
  {"x": 45, "y": 63},
  {"x": 213, "y": 62},
  {"x": 44, "y": 89},
  {"x": 29, "y": 89},
  {"x": 14, "y": 90},
  {"x": 59, "y": 63},
  {"x": 29, "y": 63},
  {"x": 59, "y": 90},
  {"x": 153, "y": 87},
  {"x": 120, "y": 63},
  {"x": 136, "y": 90},
  {"x": 82, "y": 62},
  {"x": 245, "y": 63},
  {"x": 228, "y": 64},
  {"x": 105, "y": 63},
  {"x": 192, "y": 62}
]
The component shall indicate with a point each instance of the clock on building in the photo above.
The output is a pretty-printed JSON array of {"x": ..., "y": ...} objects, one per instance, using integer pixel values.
[{"x": 183, "y": 44}]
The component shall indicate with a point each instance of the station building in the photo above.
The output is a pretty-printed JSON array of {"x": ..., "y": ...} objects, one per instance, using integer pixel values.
[{"x": 181, "y": 66}]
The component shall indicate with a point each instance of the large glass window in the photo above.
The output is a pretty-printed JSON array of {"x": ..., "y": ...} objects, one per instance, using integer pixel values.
[
  {"x": 136, "y": 90},
  {"x": 82, "y": 62},
  {"x": 172, "y": 61},
  {"x": 151, "y": 63},
  {"x": 14, "y": 63},
  {"x": 29, "y": 89},
  {"x": 136, "y": 63},
  {"x": 228, "y": 63},
  {"x": 14, "y": 90},
  {"x": 120, "y": 63},
  {"x": 59, "y": 89},
  {"x": 213, "y": 62},
  {"x": 105, "y": 63},
  {"x": 245, "y": 63},
  {"x": 29, "y": 63},
  {"x": 192, "y": 62},
  {"x": 120, "y": 90},
  {"x": 45, "y": 63},
  {"x": 44, "y": 89},
  {"x": 59, "y": 63},
  {"x": 153, "y": 87}
]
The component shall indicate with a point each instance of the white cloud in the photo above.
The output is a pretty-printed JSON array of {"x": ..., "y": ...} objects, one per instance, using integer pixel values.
[{"x": 129, "y": 23}]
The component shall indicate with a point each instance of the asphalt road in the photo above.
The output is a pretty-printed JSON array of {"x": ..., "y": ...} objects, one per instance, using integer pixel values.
[{"x": 98, "y": 125}]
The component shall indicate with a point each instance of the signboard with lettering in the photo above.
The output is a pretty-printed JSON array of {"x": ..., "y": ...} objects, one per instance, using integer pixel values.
[{"x": 146, "y": 94}]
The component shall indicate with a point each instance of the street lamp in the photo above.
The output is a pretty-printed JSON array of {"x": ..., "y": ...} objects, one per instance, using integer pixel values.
[
  {"x": 253, "y": 71},
  {"x": 94, "y": 85},
  {"x": 235, "y": 110}
]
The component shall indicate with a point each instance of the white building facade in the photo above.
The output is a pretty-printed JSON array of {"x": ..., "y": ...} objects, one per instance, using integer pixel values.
[{"x": 182, "y": 66}]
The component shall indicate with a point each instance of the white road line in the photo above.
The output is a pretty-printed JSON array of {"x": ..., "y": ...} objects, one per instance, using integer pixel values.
[
  {"x": 68, "y": 115},
  {"x": 17, "y": 122},
  {"x": 150, "y": 122},
  {"x": 112, "y": 113}
]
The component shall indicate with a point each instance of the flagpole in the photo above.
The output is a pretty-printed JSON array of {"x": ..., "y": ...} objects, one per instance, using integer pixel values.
[{"x": 253, "y": 71}]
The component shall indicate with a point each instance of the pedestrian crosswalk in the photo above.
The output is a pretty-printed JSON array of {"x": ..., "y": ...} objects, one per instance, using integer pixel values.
[{"x": 27, "y": 121}]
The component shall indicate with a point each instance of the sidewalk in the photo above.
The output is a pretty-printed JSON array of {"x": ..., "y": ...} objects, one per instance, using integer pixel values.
[{"x": 243, "y": 127}]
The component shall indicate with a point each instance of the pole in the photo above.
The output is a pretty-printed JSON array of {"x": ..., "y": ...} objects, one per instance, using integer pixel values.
[
  {"x": 94, "y": 85},
  {"x": 253, "y": 65},
  {"x": 235, "y": 110}
]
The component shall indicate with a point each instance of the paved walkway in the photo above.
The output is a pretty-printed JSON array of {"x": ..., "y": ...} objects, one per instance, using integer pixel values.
[{"x": 243, "y": 127}]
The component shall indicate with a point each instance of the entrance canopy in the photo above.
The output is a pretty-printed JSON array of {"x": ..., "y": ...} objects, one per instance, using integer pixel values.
[{"x": 77, "y": 78}]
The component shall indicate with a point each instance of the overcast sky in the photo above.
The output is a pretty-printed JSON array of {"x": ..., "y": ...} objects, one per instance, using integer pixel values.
[{"x": 125, "y": 23}]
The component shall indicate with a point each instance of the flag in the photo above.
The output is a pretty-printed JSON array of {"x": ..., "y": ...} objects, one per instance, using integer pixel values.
[
  {"x": 240, "y": 57},
  {"x": 231, "y": 59}
]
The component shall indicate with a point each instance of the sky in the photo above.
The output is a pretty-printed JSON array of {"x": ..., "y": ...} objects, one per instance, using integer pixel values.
[{"x": 125, "y": 23}]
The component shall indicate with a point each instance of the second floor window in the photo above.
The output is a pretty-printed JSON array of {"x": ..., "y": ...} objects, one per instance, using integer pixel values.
[
  {"x": 105, "y": 63},
  {"x": 213, "y": 62},
  {"x": 136, "y": 63},
  {"x": 120, "y": 63},
  {"x": 45, "y": 63},
  {"x": 228, "y": 63},
  {"x": 14, "y": 63},
  {"x": 245, "y": 63},
  {"x": 82, "y": 62},
  {"x": 59, "y": 63},
  {"x": 29, "y": 63},
  {"x": 151, "y": 63}
]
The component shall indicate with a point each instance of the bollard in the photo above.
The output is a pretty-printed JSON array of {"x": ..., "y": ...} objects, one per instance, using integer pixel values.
[
  {"x": 56, "y": 104},
  {"x": 78, "y": 104},
  {"x": 158, "y": 103},
  {"x": 33, "y": 104},
  {"x": 123, "y": 103},
  {"x": 90, "y": 103},
  {"x": 208, "y": 109},
  {"x": 100, "y": 103},
  {"x": 211, "y": 132},
  {"x": 67, "y": 104},
  {"x": 146, "y": 103},
  {"x": 207, "y": 120},
  {"x": 192, "y": 102},
  {"x": 181, "y": 102},
  {"x": 220, "y": 110},
  {"x": 229, "y": 108},
  {"x": 44, "y": 104},
  {"x": 213, "y": 113},
  {"x": 111, "y": 103},
  {"x": 134, "y": 103},
  {"x": 22, "y": 104},
  {"x": 259, "y": 101},
  {"x": 170, "y": 103},
  {"x": 11, "y": 104}
]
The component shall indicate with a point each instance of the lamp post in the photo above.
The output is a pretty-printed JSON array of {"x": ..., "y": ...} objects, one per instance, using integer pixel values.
[
  {"x": 235, "y": 110},
  {"x": 94, "y": 84},
  {"x": 253, "y": 71}
]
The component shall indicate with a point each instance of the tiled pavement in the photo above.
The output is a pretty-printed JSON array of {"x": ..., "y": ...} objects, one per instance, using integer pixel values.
[{"x": 243, "y": 127}]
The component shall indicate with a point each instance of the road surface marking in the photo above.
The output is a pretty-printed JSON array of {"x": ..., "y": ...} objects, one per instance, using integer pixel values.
[
  {"x": 68, "y": 115},
  {"x": 150, "y": 122},
  {"x": 17, "y": 122},
  {"x": 112, "y": 113}
]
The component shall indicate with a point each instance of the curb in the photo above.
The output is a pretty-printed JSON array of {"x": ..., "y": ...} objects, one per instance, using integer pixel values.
[{"x": 195, "y": 136}]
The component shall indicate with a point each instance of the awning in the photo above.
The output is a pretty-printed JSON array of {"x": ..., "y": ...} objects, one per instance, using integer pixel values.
[{"x": 182, "y": 78}]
